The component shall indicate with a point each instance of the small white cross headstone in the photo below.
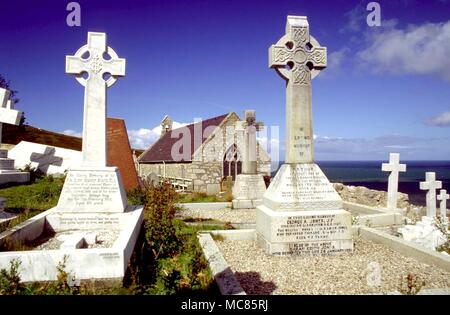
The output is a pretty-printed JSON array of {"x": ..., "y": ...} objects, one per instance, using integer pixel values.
[
  {"x": 443, "y": 197},
  {"x": 431, "y": 184},
  {"x": 97, "y": 67},
  {"x": 394, "y": 167}
]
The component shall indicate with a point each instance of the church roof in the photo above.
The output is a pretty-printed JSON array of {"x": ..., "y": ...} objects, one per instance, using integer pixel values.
[{"x": 161, "y": 150}]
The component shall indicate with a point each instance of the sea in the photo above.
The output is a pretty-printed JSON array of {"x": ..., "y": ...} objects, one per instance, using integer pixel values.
[{"x": 369, "y": 174}]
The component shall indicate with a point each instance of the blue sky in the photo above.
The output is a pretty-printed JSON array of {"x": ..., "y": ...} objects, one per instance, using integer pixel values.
[{"x": 386, "y": 89}]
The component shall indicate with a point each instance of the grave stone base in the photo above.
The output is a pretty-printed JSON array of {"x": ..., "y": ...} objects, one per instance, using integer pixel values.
[
  {"x": 304, "y": 233},
  {"x": 7, "y": 172},
  {"x": 248, "y": 191},
  {"x": 93, "y": 190},
  {"x": 302, "y": 214},
  {"x": 106, "y": 263}
]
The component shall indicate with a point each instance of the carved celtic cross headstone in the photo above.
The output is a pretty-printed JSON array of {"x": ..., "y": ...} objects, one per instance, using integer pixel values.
[
  {"x": 103, "y": 67},
  {"x": 298, "y": 58}
]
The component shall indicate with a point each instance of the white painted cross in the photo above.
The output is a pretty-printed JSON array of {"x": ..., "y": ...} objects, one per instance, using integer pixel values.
[
  {"x": 97, "y": 68},
  {"x": 8, "y": 114},
  {"x": 249, "y": 164},
  {"x": 298, "y": 58},
  {"x": 394, "y": 167},
  {"x": 431, "y": 184},
  {"x": 443, "y": 197}
]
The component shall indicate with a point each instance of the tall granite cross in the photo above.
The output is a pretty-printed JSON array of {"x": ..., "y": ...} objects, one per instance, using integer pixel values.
[
  {"x": 98, "y": 67},
  {"x": 249, "y": 164},
  {"x": 431, "y": 184},
  {"x": 298, "y": 58},
  {"x": 443, "y": 197},
  {"x": 394, "y": 167}
]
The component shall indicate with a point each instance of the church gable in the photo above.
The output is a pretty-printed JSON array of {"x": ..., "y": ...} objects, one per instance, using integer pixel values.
[{"x": 161, "y": 150}]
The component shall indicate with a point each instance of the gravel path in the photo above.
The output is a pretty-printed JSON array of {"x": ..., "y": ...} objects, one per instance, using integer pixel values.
[
  {"x": 344, "y": 274},
  {"x": 224, "y": 215}
]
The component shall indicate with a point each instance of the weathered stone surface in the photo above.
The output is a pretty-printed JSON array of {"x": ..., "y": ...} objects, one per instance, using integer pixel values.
[
  {"x": 301, "y": 213},
  {"x": 248, "y": 191},
  {"x": 93, "y": 190},
  {"x": 324, "y": 232}
]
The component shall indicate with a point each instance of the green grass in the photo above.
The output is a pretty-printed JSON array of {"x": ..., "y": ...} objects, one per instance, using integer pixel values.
[
  {"x": 30, "y": 200},
  {"x": 200, "y": 197}
]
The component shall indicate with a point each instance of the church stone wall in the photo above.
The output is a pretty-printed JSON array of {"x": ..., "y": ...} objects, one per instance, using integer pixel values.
[{"x": 206, "y": 169}]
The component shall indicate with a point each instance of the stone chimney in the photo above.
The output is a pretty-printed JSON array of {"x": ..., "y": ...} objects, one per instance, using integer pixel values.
[{"x": 166, "y": 125}]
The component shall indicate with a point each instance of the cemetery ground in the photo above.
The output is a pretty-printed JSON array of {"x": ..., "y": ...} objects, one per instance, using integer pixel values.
[{"x": 167, "y": 258}]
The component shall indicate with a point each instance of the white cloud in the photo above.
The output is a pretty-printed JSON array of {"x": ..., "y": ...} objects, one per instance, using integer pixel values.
[
  {"x": 441, "y": 120},
  {"x": 418, "y": 49},
  {"x": 355, "y": 18},
  {"x": 143, "y": 138},
  {"x": 70, "y": 132},
  {"x": 335, "y": 61}
]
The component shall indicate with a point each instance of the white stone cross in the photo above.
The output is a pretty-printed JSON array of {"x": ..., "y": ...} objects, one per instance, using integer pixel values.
[
  {"x": 298, "y": 58},
  {"x": 249, "y": 164},
  {"x": 8, "y": 114},
  {"x": 443, "y": 197},
  {"x": 97, "y": 68},
  {"x": 431, "y": 184},
  {"x": 394, "y": 167}
]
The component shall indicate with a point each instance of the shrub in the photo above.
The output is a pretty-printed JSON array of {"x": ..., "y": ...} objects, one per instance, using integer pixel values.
[
  {"x": 10, "y": 280},
  {"x": 159, "y": 213}
]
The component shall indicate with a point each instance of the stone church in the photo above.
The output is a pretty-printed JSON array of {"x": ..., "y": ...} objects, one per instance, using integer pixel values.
[{"x": 200, "y": 156}]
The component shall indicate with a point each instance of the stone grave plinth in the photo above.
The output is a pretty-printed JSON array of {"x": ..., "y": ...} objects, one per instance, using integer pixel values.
[
  {"x": 92, "y": 189},
  {"x": 301, "y": 213},
  {"x": 249, "y": 187},
  {"x": 8, "y": 174}
]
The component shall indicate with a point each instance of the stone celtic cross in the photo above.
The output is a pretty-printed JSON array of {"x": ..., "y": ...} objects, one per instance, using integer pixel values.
[
  {"x": 249, "y": 164},
  {"x": 298, "y": 58},
  {"x": 431, "y": 184},
  {"x": 93, "y": 60},
  {"x": 443, "y": 197},
  {"x": 394, "y": 167}
]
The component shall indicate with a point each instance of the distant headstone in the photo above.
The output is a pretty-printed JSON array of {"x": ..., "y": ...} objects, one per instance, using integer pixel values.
[
  {"x": 119, "y": 152},
  {"x": 8, "y": 115},
  {"x": 431, "y": 184},
  {"x": 94, "y": 186},
  {"x": 153, "y": 179},
  {"x": 249, "y": 186},
  {"x": 394, "y": 167},
  {"x": 48, "y": 159},
  {"x": 425, "y": 233},
  {"x": 301, "y": 213},
  {"x": 443, "y": 197}
]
